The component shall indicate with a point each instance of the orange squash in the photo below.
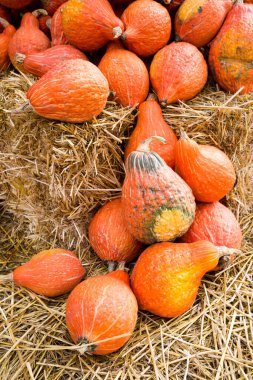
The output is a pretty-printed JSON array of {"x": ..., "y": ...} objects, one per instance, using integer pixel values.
[
  {"x": 127, "y": 75},
  {"x": 16, "y": 4},
  {"x": 151, "y": 123},
  {"x": 231, "y": 53},
  {"x": 207, "y": 170},
  {"x": 89, "y": 25},
  {"x": 178, "y": 72},
  {"x": 44, "y": 21},
  {"x": 147, "y": 27},
  {"x": 101, "y": 314},
  {"x": 198, "y": 21},
  {"x": 57, "y": 35},
  {"x": 166, "y": 277},
  {"x": 4, "y": 14},
  {"x": 40, "y": 63},
  {"x": 158, "y": 205},
  {"x": 84, "y": 96},
  {"x": 5, "y": 38},
  {"x": 28, "y": 38},
  {"x": 109, "y": 236},
  {"x": 51, "y": 6},
  {"x": 50, "y": 273}
]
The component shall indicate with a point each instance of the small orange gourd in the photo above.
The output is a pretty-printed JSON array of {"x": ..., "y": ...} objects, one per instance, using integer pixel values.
[
  {"x": 167, "y": 276},
  {"x": 207, "y": 170},
  {"x": 4, "y": 14},
  {"x": 151, "y": 123},
  {"x": 57, "y": 35},
  {"x": 147, "y": 27},
  {"x": 127, "y": 75},
  {"x": 50, "y": 273},
  {"x": 178, "y": 72},
  {"x": 89, "y": 25},
  {"x": 16, "y": 4},
  {"x": 158, "y": 205},
  {"x": 109, "y": 236},
  {"x": 51, "y": 6},
  {"x": 101, "y": 313},
  {"x": 5, "y": 38}
]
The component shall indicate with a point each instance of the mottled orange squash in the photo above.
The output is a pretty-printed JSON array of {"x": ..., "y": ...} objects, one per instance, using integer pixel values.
[
  {"x": 16, "y": 4},
  {"x": 51, "y": 6},
  {"x": 5, "y": 38},
  {"x": 57, "y": 35}
]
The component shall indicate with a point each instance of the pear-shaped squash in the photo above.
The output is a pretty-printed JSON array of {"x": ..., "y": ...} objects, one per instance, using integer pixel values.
[
  {"x": 16, "y": 4},
  {"x": 4, "y": 14},
  {"x": 89, "y": 25},
  {"x": 207, "y": 170},
  {"x": 51, "y": 6},
  {"x": 198, "y": 21},
  {"x": 158, "y": 205},
  {"x": 127, "y": 75},
  {"x": 57, "y": 35},
  {"x": 178, "y": 72},
  {"x": 5, "y": 38},
  {"x": 231, "y": 53},
  {"x": 151, "y": 123},
  {"x": 147, "y": 27}
]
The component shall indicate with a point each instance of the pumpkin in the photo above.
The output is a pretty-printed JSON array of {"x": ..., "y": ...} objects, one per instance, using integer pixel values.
[
  {"x": 178, "y": 72},
  {"x": 50, "y": 273},
  {"x": 89, "y": 25},
  {"x": 207, "y": 170},
  {"x": 84, "y": 96},
  {"x": 6, "y": 15},
  {"x": 51, "y": 6},
  {"x": 231, "y": 53},
  {"x": 40, "y": 63},
  {"x": 16, "y": 4},
  {"x": 44, "y": 21},
  {"x": 158, "y": 205},
  {"x": 28, "y": 38},
  {"x": 151, "y": 123},
  {"x": 109, "y": 236},
  {"x": 101, "y": 314},
  {"x": 5, "y": 38},
  {"x": 198, "y": 21},
  {"x": 147, "y": 27},
  {"x": 57, "y": 35},
  {"x": 127, "y": 75},
  {"x": 167, "y": 276}
]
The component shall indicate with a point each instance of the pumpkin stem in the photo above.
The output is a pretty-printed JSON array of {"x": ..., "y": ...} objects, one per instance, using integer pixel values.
[
  {"x": 117, "y": 32},
  {"x": 152, "y": 96},
  {"x": 6, "y": 278},
  {"x": 225, "y": 251},
  {"x": 144, "y": 145},
  {"x": 121, "y": 265},
  {"x": 163, "y": 103},
  {"x": 111, "y": 266},
  {"x": 49, "y": 23},
  {"x": 4, "y": 22},
  {"x": 183, "y": 135},
  {"x": 167, "y": 2},
  {"x": 177, "y": 38},
  {"x": 85, "y": 346},
  {"x": 23, "y": 108},
  {"x": 39, "y": 12},
  {"x": 19, "y": 58},
  {"x": 123, "y": 36}
]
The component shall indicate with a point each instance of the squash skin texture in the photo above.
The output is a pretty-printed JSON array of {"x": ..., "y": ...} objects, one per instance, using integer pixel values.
[
  {"x": 166, "y": 277},
  {"x": 148, "y": 27},
  {"x": 231, "y": 53},
  {"x": 57, "y": 35},
  {"x": 50, "y": 273},
  {"x": 100, "y": 308},
  {"x": 178, "y": 72},
  {"x": 127, "y": 75},
  {"x": 75, "y": 92},
  {"x": 109, "y": 236},
  {"x": 207, "y": 170},
  {"x": 15, "y": 4},
  {"x": 198, "y": 21},
  {"x": 5, "y": 38},
  {"x": 51, "y": 6},
  {"x": 85, "y": 31}
]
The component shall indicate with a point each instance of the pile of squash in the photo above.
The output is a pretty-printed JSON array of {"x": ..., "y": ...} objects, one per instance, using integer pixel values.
[{"x": 169, "y": 217}]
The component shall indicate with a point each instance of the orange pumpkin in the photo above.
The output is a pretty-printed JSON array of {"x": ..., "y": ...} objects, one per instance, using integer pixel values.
[
  {"x": 101, "y": 314},
  {"x": 151, "y": 123},
  {"x": 127, "y": 75},
  {"x": 40, "y": 63},
  {"x": 57, "y": 35},
  {"x": 84, "y": 96},
  {"x": 16, "y": 4},
  {"x": 50, "y": 273},
  {"x": 207, "y": 170},
  {"x": 109, "y": 236},
  {"x": 51, "y": 6},
  {"x": 28, "y": 38},
  {"x": 6, "y": 15},
  {"x": 178, "y": 72},
  {"x": 147, "y": 27},
  {"x": 5, "y": 38},
  {"x": 231, "y": 53},
  {"x": 167, "y": 276},
  {"x": 198, "y": 21},
  {"x": 89, "y": 25}
]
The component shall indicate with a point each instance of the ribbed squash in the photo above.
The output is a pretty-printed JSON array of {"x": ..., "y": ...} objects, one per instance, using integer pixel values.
[
  {"x": 207, "y": 170},
  {"x": 4, "y": 14},
  {"x": 198, "y": 21},
  {"x": 101, "y": 313},
  {"x": 5, "y": 38},
  {"x": 51, "y": 6},
  {"x": 40, "y": 63},
  {"x": 151, "y": 123},
  {"x": 75, "y": 92},
  {"x": 167, "y": 276},
  {"x": 28, "y": 38},
  {"x": 231, "y": 53},
  {"x": 127, "y": 75},
  {"x": 16, "y": 4},
  {"x": 147, "y": 27},
  {"x": 89, "y": 25},
  {"x": 178, "y": 72},
  {"x": 158, "y": 205},
  {"x": 109, "y": 236},
  {"x": 57, "y": 35}
]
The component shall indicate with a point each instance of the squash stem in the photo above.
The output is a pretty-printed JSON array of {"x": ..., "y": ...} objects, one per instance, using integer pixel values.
[
  {"x": 145, "y": 145},
  {"x": 23, "y": 108},
  {"x": 225, "y": 251},
  {"x": 4, "y": 22},
  {"x": 39, "y": 12},
  {"x": 152, "y": 96},
  {"x": 117, "y": 32},
  {"x": 111, "y": 266},
  {"x": 121, "y": 265},
  {"x": 49, "y": 23},
  {"x": 19, "y": 58},
  {"x": 183, "y": 135},
  {"x": 6, "y": 278}
]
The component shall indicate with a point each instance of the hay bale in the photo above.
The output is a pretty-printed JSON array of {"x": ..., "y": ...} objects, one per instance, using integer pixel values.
[{"x": 53, "y": 177}]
